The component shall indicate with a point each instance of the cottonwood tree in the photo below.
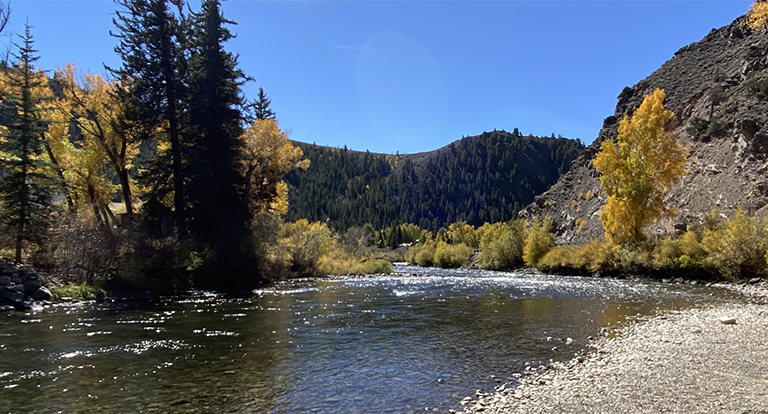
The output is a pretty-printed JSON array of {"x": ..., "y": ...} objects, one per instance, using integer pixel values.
[
  {"x": 268, "y": 154},
  {"x": 638, "y": 169},
  {"x": 91, "y": 103},
  {"x": 27, "y": 185}
]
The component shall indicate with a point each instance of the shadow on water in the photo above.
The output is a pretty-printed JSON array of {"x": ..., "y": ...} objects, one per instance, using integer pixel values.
[{"x": 421, "y": 338}]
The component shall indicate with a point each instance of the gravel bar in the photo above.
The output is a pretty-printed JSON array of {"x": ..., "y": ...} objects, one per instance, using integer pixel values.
[{"x": 710, "y": 360}]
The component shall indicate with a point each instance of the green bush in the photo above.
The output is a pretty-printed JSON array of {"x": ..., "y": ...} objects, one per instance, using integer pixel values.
[
  {"x": 78, "y": 291},
  {"x": 538, "y": 241},
  {"x": 450, "y": 256},
  {"x": 501, "y": 245}
]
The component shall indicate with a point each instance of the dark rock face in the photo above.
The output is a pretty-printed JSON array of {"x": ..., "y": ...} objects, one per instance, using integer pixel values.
[
  {"x": 718, "y": 90},
  {"x": 19, "y": 287}
]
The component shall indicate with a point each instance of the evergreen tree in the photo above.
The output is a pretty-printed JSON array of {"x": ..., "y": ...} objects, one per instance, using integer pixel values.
[
  {"x": 152, "y": 46},
  {"x": 27, "y": 185},
  {"x": 261, "y": 107},
  {"x": 218, "y": 217}
]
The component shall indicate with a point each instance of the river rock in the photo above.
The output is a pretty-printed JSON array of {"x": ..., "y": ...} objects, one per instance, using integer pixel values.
[
  {"x": 5, "y": 280},
  {"x": 727, "y": 320},
  {"x": 30, "y": 287},
  {"x": 42, "y": 294},
  {"x": 12, "y": 295},
  {"x": 33, "y": 276}
]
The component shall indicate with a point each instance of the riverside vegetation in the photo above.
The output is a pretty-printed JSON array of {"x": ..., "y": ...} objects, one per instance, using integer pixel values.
[
  {"x": 164, "y": 178},
  {"x": 637, "y": 172}
]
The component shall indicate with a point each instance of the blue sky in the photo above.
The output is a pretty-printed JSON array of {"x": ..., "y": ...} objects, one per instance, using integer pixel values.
[{"x": 412, "y": 76}]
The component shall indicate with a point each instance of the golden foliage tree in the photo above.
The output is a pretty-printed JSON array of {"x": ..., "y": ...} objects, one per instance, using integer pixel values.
[
  {"x": 638, "y": 169},
  {"x": 89, "y": 100},
  {"x": 757, "y": 17},
  {"x": 268, "y": 155}
]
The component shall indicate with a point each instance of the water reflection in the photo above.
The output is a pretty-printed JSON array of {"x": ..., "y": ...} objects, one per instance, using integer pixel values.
[{"x": 387, "y": 344}]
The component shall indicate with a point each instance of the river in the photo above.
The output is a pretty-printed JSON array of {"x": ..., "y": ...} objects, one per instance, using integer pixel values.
[{"x": 418, "y": 340}]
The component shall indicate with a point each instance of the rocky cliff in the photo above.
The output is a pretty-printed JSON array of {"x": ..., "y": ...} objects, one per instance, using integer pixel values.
[{"x": 718, "y": 90}]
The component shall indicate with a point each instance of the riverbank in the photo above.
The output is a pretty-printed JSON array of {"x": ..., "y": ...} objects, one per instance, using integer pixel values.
[{"x": 679, "y": 362}]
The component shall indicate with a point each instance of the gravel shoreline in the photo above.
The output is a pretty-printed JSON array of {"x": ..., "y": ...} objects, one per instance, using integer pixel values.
[{"x": 681, "y": 362}]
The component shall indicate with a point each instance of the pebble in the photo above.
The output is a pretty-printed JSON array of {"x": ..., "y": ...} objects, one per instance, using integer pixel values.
[{"x": 727, "y": 320}]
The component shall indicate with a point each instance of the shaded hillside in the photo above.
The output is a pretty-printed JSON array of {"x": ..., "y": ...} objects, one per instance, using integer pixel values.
[
  {"x": 486, "y": 178},
  {"x": 718, "y": 89}
]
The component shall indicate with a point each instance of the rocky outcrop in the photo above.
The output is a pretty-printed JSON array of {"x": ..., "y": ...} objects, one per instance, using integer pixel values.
[
  {"x": 20, "y": 287},
  {"x": 718, "y": 90}
]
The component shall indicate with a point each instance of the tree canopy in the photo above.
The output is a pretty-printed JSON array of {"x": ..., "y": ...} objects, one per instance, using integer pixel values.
[{"x": 638, "y": 169}]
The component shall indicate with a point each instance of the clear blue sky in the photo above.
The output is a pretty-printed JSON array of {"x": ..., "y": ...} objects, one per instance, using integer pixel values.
[{"x": 412, "y": 76}]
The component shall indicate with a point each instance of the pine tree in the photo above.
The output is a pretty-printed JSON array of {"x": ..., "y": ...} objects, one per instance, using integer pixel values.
[
  {"x": 152, "y": 80},
  {"x": 27, "y": 187},
  {"x": 261, "y": 107},
  {"x": 218, "y": 217}
]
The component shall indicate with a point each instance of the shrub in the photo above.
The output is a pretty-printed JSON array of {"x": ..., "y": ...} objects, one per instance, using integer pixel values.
[
  {"x": 501, "y": 245},
  {"x": 450, "y": 256},
  {"x": 586, "y": 258},
  {"x": 79, "y": 250},
  {"x": 303, "y": 244},
  {"x": 78, "y": 291},
  {"x": 375, "y": 266},
  {"x": 162, "y": 266},
  {"x": 537, "y": 241},
  {"x": 312, "y": 249},
  {"x": 737, "y": 248},
  {"x": 685, "y": 252},
  {"x": 421, "y": 254}
]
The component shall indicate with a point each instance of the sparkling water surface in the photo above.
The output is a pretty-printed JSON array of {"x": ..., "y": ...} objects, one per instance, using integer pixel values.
[{"x": 418, "y": 340}]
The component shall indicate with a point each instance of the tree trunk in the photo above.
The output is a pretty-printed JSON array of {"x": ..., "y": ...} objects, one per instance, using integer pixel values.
[
  {"x": 178, "y": 176},
  {"x": 95, "y": 206},
  {"x": 20, "y": 237},
  {"x": 126, "y": 188},
  {"x": 60, "y": 173}
]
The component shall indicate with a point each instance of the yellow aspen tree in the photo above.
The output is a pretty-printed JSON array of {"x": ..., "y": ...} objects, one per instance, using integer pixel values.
[
  {"x": 91, "y": 102},
  {"x": 757, "y": 17},
  {"x": 268, "y": 155},
  {"x": 638, "y": 169}
]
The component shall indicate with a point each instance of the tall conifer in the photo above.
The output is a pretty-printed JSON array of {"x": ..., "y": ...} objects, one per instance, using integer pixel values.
[
  {"x": 27, "y": 186},
  {"x": 152, "y": 46},
  {"x": 216, "y": 184}
]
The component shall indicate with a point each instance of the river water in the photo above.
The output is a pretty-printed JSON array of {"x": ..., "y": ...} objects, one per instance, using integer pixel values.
[{"x": 418, "y": 340}]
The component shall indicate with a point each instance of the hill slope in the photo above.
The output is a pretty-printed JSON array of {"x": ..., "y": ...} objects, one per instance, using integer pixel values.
[
  {"x": 486, "y": 178},
  {"x": 718, "y": 89}
]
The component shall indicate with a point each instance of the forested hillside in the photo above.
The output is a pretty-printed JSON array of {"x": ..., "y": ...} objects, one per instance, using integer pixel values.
[{"x": 486, "y": 178}]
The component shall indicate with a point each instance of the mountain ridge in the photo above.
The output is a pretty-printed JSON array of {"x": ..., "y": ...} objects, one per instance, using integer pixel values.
[{"x": 488, "y": 177}]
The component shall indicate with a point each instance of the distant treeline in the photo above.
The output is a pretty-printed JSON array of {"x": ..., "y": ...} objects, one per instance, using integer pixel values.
[{"x": 485, "y": 178}]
